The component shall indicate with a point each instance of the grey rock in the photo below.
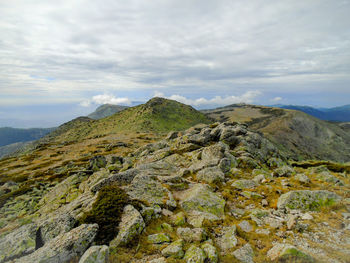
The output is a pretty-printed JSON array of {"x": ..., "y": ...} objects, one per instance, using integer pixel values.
[
  {"x": 174, "y": 250},
  {"x": 284, "y": 171},
  {"x": 95, "y": 254},
  {"x": 245, "y": 226},
  {"x": 245, "y": 254},
  {"x": 131, "y": 226},
  {"x": 244, "y": 184},
  {"x": 18, "y": 243},
  {"x": 159, "y": 238},
  {"x": 226, "y": 237},
  {"x": 329, "y": 178},
  {"x": 307, "y": 200},
  {"x": 191, "y": 235},
  {"x": 302, "y": 178},
  {"x": 211, "y": 175},
  {"x": 194, "y": 255},
  {"x": 288, "y": 253},
  {"x": 211, "y": 252},
  {"x": 201, "y": 200},
  {"x": 64, "y": 247}
]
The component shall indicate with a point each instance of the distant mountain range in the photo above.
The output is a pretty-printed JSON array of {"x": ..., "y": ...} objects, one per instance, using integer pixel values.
[
  {"x": 106, "y": 110},
  {"x": 341, "y": 113}
]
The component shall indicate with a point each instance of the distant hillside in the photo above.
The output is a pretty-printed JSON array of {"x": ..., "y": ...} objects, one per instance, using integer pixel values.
[
  {"x": 332, "y": 114},
  {"x": 14, "y": 135},
  {"x": 106, "y": 110},
  {"x": 12, "y": 148},
  {"x": 157, "y": 115},
  {"x": 295, "y": 133}
]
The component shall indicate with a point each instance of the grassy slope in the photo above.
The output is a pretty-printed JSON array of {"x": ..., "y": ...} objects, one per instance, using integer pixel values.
[
  {"x": 296, "y": 133},
  {"x": 157, "y": 115}
]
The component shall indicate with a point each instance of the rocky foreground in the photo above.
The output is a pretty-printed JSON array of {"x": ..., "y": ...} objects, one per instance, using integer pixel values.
[{"x": 217, "y": 193}]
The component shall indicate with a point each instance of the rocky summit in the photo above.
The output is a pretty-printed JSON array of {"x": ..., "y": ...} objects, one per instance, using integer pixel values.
[{"x": 214, "y": 193}]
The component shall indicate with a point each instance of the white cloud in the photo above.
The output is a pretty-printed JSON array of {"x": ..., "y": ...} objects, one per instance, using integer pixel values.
[
  {"x": 276, "y": 99},
  {"x": 247, "y": 97},
  {"x": 105, "y": 99}
]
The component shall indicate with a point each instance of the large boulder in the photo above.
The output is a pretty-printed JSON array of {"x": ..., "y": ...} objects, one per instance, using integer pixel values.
[
  {"x": 211, "y": 175},
  {"x": 194, "y": 255},
  {"x": 64, "y": 247},
  {"x": 288, "y": 253},
  {"x": 131, "y": 226},
  {"x": 174, "y": 250},
  {"x": 200, "y": 199},
  {"x": 226, "y": 237},
  {"x": 95, "y": 254},
  {"x": 307, "y": 200},
  {"x": 18, "y": 243},
  {"x": 149, "y": 191},
  {"x": 245, "y": 254}
]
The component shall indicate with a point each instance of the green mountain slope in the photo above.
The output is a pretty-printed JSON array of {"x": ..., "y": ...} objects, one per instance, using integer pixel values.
[
  {"x": 106, "y": 110},
  {"x": 297, "y": 134},
  {"x": 157, "y": 115}
]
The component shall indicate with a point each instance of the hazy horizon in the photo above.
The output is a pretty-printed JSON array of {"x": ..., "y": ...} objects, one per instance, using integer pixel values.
[{"x": 60, "y": 60}]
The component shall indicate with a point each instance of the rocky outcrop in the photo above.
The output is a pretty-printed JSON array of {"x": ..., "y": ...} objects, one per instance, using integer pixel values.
[
  {"x": 96, "y": 254},
  {"x": 64, "y": 247},
  {"x": 307, "y": 200},
  {"x": 131, "y": 226}
]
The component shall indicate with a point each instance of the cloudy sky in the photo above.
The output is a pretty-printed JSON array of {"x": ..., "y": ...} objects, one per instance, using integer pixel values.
[{"x": 63, "y": 58}]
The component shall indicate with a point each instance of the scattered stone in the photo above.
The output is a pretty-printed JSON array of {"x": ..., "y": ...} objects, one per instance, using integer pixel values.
[
  {"x": 174, "y": 250},
  {"x": 159, "y": 238},
  {"x": 191, "y": 235},
  {"x": 64, "y": 247},
  {"x": 196, "y": 219},
  {"x": 307, "y": 216},
  {"x": 157, "y": 260},
  {"x": 166, "y": 212},
  {"x": 307, "y": 200},
  {"x": 245, "y": 254},
  {"x": 264, "y": 202},
  {"x": 201, "y": 199},
  {"x": 262, "y": 231},
  {"x": 284, "y": 171},
  {"x": 179, "y": 219},
  {"x": 194, "y": 255},
  {"x": 302, "y": 178},
  {"x": 245, "y": 184},
  {"x": 149, "y": 213},
  {"x": 288, "y": 253},
  {"x": 96, "y": 254},
  {"x": 329, "y": 178},
  {"x": 245, "y": 226},
  {"x": 131, "y": 226},
  {"x": 227, "y": 237},
  {"x": 211, "y": 175},
  {"x": 210, "y": 252},
  {"x": 291, "y": 221}
]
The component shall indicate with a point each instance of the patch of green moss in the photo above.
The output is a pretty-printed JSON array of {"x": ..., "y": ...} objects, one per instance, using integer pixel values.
[
  {"x": 106, "y": 212},
  {"x": 295, "y": 255}
]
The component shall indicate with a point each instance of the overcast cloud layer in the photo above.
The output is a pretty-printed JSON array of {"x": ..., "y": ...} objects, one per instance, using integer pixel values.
[{"x": 55, "y": 52}]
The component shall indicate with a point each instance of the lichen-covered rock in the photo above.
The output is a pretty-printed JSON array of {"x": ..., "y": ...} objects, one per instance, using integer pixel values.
[
  {"x": 131, "y": 226},
  {"x": 18, "y": 243},
  {"x": 194, "y": 255},
  {"x": 245, "y": 254},
  {"x": 329, "y": 178},
  {"x": 157, "y": 260},
  {"x": 307, "y": 200},
  {"x": 288, "y": 253},
  {"x": 191, "y": 235},
  {"x": 284, "y": 171},
  {"x": 245, "y": 226},
  {"x": 95, "y": 254},
  {"x": 211, "y": 252},
  {"x": 211, "y": 175},
  {"x": 227, "y": 238},
  {"x": 147, "y": 190},
  {"x": 64, "y": 247},
  {"x": 244, "y": 184},
  {"x": 179, "y": 219},
  {"x": 148, "y": 213},
  {"x": 202, "y": 200},
  {"x": 159, "y": 238},
  {"x": 302, "y": 178},
  {"x": 97, "y": 162},
  {"x": 174, "y": 250}
]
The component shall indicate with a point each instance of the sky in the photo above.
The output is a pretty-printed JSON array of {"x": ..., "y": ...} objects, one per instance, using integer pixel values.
[{"x": 61, "y": 59}]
